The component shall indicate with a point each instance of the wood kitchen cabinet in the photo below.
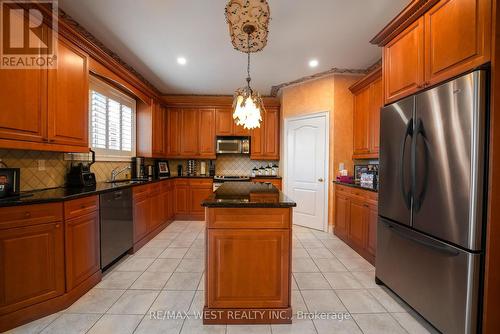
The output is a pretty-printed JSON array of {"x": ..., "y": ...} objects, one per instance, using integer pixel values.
[
  {"x": 277, "y": 182},
  {"x": 188, "y": 195},
  {"x": 40, "y": 107},
  {"x": 181, "y": 198},
  {"x": 173, "y": 132},
  {"x": 157, "y": 209},
  {"x": 226, "y": 126},
  {"x": 142, "y": 211},
  {"x": 158, "y": 133},
  {"x": 68, "y": 97},
  {"x": 356, "y": 219},
  {"x": 190, "y": 119},
  {"x": 368, "y": 100},
  {"x": 265, "y": 141},
  {"x": 207, "y": 133},
  {"x": 32, "y": 260},
  {"x": 82, "y": 244},
  {"x": 152, "y": 129},
  {"x": 450, "y": 38}
]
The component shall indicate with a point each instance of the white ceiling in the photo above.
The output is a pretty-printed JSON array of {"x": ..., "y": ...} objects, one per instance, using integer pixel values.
[{"x": 149, "y": 35}]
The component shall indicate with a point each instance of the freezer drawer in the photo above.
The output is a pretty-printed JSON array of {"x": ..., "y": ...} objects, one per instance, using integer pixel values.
[{"x": 439, "y": 281}]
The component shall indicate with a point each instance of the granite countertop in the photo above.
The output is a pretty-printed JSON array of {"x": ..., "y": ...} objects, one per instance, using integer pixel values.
[
  {"x": 248, "y": 195},
  {"x": 353, "y": 185},
  {"x": 67, "y": 193},
  {"x": 266, "y": 177}
]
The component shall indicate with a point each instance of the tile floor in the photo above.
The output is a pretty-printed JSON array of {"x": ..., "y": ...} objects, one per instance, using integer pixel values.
[{"x": 167, "y": 275}]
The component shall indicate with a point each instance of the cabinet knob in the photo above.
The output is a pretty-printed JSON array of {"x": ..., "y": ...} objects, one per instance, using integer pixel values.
[
  {"x": 82, "y": 206},
  {"x": 27, "y": 214},
  {"x": 58, "y": 225}
]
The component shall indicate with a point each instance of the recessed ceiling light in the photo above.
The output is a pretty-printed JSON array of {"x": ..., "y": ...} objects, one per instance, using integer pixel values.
[
  {"x": 181, "y": 61},
  {"x": 313, "y": 63}
]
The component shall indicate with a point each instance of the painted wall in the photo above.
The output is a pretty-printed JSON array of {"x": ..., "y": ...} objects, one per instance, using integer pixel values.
[{"x": 329, "y": 94}]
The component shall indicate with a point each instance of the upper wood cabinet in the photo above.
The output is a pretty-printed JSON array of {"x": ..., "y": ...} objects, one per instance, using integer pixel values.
[
  {"x": 457, "y": 38},
  {"x": 68, "y": 97},
  {"x": 41, "y": 107},
  {"x": 173, "y": 132},
  {"x": 265, "y": 140},
  {"x": 151, "y": 129},
  {"x": 404, "y": 62},
  {"x": 368, "y": 99},
  {"x": 225, "y": 124},
  {"x": 450, "y": 38},
  {"x": 207, "y": 133},
  {"x": 190, "y": 119}
]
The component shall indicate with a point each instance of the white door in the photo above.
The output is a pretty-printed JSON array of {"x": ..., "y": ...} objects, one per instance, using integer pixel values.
[{"x": 306, "y": 166}]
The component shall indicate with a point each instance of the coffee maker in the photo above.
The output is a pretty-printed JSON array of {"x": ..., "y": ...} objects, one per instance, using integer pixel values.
[
  {"x": 138, "y": 168},
  {"x": 79, "y": 175}
]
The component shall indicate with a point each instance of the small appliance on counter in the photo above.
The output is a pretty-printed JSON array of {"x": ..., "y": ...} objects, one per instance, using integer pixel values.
[
  {"x": 80, "y": 175},
  {"x": 150, "y": 172},
  {"x": 366, "y": 176},
  {"x": 138, "y": 168},
  {"x": 345, "y": 179},
  {"x": 179, "y": 169},
  {"x": 162, "y": 169},
  {"x": 9, "y": 182},
  {"x": 191, "y": 167},
  {"x": 211, "y": 168}
]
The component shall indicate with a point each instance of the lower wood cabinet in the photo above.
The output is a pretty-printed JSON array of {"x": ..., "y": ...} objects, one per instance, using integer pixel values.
[
  {"x": 274, "y": 181},
  {"x": 142, "y": 212},
  {"x": 356, "y": 214},
  {"x": 189, "y": 193},
  {"x": 82, "y": 246},
  {"x": 181, "y": 198},
  {"x": 31, "y": 261},
  {"x": 157, "y": 207}
]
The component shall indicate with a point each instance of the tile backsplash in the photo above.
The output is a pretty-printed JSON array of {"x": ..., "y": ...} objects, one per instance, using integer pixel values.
[{"x": 52, "y": 172}]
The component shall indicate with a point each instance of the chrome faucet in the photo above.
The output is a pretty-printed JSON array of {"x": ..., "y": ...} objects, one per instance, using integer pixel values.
[{"x": 115, "y": 172}]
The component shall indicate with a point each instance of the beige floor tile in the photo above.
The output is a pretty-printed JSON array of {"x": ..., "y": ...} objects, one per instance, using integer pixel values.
[
  {"x": 119, "y": 280},
  {"x": 166, "y": 235},
  {"x": 413, "y": 323},
  {"x": 322, "y": 301},
  {"x": 150, "y": 252},
  {"x": 311, "y": 281},
  {"x": 330, "y": 265},
  {"x": 332, "y": 243},
  {"x": 334, "y": 326},
  {"x": 311, "y": 244},
  {"x": 320, "y": 253},
  {"x": 116, "y": 323},
  {"x": 389, "y": 300},
  {"x": 195, "y": 253},
  {"x": 158, "y": 326},
  {"x": 195, "y": 326},
  {"x": 298, "y": 304},
  {"x": 35, "y": 326},
  {"x": 178, "y": 301},
  {"x": 366, "y": 278},
  {"x": 297, "y": 327},
  {"x": 300, "y": 253},
  {"x": 159, "y": 243},
  {"x": 342, "y": 251},
  {"x": 342, "y": 280},
  {"x": 305, "y": 235},
  {"x": 95, "y": 301},
  {"x": 359, "y": 301},
  {"x": 357, "y": 264},
  {"x": 191, "y": 266},
  {"x": 248, "y": 329},
  {"x": 71, "y": 324},
  {"x": 199, "y": 243},
  {"x": 183, "y": 281},
  {"x": 181, "y": 243},
  {"x": 173, "y": 253},
  {"x": 134, "y": 302},
  {"x": 294, "y": 284},
  {"x": 151, "y": 281},
  {"x": 201, "y": 286},
  {"x": 198, "y": 303},
  {"x": 304, "y": 265},
  {"x": 378, "y": 324},
  {"x": 135, "y": 264},
  {"x": 164, "y": 265}
]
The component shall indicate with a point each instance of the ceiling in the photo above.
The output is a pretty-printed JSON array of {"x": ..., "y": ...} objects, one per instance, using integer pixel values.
[{"x": 150, "y": 35}]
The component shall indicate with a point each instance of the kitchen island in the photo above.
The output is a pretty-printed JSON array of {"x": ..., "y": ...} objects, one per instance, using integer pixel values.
[{"x": 248, "y": 255}]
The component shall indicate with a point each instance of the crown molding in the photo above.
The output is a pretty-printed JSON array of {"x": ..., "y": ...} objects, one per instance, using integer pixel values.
[
  {"x": 405, "y": 18},
  {"x": 210, "y": 100},
  {"x": 374, "y": 74}
]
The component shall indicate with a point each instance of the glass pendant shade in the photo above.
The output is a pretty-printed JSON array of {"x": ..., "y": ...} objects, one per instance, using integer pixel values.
[{"x": 247, "y": 108}]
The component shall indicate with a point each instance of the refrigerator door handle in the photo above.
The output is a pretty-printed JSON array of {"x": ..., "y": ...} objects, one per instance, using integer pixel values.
[
  {"x": 418, "y": 198},
  {"x": 406, "y": 195},
  {"x": 427, "y": 242}
]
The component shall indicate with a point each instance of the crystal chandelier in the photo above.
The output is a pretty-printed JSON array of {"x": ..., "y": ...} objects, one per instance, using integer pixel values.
[{"x": 248, "y": 21}]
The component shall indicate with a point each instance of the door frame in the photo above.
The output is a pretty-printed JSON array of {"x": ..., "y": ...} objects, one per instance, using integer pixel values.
[{"x": 287, "y": 120}]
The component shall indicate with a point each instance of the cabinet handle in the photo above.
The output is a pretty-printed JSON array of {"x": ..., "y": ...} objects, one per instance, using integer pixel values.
[
  {"x": 58, "y": 225},
  {"x": 27, "y": 214},
  {"x": 82, "y": 206}
]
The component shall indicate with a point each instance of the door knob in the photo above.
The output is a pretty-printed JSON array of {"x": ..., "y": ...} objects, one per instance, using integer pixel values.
[{"x": 320, "y": 179}]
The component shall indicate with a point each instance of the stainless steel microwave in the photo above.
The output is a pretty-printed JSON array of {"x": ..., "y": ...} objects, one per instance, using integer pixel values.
[{"x": 233, "y": 146}]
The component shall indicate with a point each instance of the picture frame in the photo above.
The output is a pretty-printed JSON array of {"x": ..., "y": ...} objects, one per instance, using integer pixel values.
[{"x": 163, "y": 168}]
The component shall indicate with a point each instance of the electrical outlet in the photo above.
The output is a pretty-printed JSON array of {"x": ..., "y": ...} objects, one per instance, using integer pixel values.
[{"x": 41, "y": 165}]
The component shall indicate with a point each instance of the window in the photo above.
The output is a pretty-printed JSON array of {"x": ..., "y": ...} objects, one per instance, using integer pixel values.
[{"x": 112, "y": 122}]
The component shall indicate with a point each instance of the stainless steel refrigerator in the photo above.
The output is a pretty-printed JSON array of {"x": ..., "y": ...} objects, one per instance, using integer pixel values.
[{"x": 431, "y": 201}]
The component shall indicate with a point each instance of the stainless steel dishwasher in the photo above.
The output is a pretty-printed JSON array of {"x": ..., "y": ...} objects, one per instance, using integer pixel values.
[{"x": 117, "y": 226}]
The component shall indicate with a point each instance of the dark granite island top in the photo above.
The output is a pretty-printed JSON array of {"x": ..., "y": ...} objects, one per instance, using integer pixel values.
[{"x": 248, "y": 195}]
